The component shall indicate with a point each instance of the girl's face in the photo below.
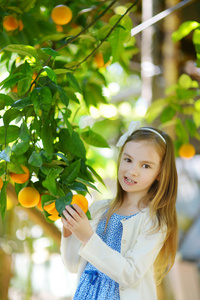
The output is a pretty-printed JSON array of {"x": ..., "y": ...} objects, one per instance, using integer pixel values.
[{"x": 139, "y": 167}]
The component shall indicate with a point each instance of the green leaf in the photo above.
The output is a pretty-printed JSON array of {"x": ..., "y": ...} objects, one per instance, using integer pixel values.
[
  {"x": 9, "y": 135},
  {"x": 71, "y": 172},
  {"x": 47, "y": 138},
  {"x": 51, "y": 184},
  {"x": 35, "y": 159},
  {"x": 63, "y": 95},
  {"x": 50, "y": 73},
  {"x": 10, "y": 115},
  {"x": 185, "y": 81},
  {"x": 20, "y": 148},
  {"x": 196, "y": 118},
  {"x": 191, "y": 127},
  {"x": 94, "y": 139},
  {"x": 41, "y": 98},
  {"x": 73, "y": 82},
  {"x": 103, "y": 31},
  {"x": 12, "y": 80},
  {"x": 71, "y": 143},
  {"x": 87, "y": 183},
  {"x": 5, "y": 154},
  {"x": 167, "y": 114},
  {"x": 50, "y": 51},
  {"x": 184, "y": 29},
  {"x": 181, "y": 132},
  {"x": 5, "y": 100},
  {"x": 62, "y": 156},
  {"x": 47, "y": 199},
  {"x": 197, "y": 105},
  {"x": 62, "y": 202},
  {"x": 88, "y": 215},
  {"x": 96, "y": 175},
  {"x": 3, "y": 201},
  {"x": 78, "y": 187},
  {"x": 93, "y": 94},
  {"x": 155, "y": 109},
  {"x": 24, "y": 50},
  {"x": 196, "y": 41},
  {"x": 24, "y": 133},
  {"x": 22, "y": 103}
]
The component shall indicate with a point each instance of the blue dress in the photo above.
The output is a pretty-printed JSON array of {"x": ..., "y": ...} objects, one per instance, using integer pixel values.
[{"x": 93, "y": 284}]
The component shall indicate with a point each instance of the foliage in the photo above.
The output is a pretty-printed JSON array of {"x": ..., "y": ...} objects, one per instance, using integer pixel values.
[
  {"x": 51, "y": 74},
  {"x": 181, "y": 106}
]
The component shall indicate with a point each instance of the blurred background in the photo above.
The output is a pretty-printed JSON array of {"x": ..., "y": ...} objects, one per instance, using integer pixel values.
[{"x": 145, "y": 82}]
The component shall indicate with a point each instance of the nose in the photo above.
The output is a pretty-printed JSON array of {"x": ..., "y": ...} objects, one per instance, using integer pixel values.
[{"x": 134, "y": 170}]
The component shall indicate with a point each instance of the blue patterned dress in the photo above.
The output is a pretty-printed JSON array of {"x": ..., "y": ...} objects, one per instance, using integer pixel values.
[{"x": 93, "y": 284}]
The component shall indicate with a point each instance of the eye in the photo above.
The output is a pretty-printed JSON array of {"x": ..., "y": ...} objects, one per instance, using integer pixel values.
[
  {"x": 146, "y": 166},
  {"x": 127, "y": 159}
]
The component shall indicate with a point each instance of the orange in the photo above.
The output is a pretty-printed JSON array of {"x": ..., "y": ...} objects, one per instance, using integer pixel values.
[
  {"x": 14, "y": 89},
  {"x": 10, "y": 23},
  {"x": 21, "y": 178},
  {"x": 28, "y": 197},
  {"x": 61, "y": 14},
  {"x": 99, "y": 60},
  {"x": 187, "y": 151},
  {"x": 39, "y": 205},
  {"x": 51, "y": 209},
  {"x": 81, "y": 201},
  {"x": 1, "y": 183},
  {"x": 59, "y": 28},
  {"x": 21, "y": 25}
]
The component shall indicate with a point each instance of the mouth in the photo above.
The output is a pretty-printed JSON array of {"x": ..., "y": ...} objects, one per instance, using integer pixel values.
[{"x": 129, "y": 181}]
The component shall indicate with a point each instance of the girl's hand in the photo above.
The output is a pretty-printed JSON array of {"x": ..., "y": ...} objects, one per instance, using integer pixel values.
[{"x": 76, "y": 222}]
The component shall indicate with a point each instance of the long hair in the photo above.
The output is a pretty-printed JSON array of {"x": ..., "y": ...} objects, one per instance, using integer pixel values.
[{"x": 161, "y": 197}]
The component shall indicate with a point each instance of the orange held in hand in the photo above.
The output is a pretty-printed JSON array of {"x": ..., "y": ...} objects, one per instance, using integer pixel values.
[
  {"x": 10, "y": 23},
  {"x": 61, "y": 14},
  {"x": 81, "y": 201},
  {"x": 28, "y": 197},
  {"x": 187, "y": 151},
  {"x": 20, "y": 178}
]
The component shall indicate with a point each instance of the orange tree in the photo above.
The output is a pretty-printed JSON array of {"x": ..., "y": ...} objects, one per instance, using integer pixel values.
[
  {"x": 180, "y": 109},
  {"x": 51, "y": 72}
]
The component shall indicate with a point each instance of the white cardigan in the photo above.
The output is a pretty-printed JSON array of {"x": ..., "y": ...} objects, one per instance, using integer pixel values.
[{"x": 133, "y": 267}]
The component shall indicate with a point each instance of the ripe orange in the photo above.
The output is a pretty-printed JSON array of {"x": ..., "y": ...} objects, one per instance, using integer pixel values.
[
  {"x": 61, "y": 14},
  {"x": 21, "y": 25},
  {"x": 39, "y": 205},
  {"x": 51, "y": 209},
  {"x": 81, "y": 201},
  {"x": 10, "y": 23},
  {"x": 99, "y": 60},
  {"x": 187, "y": 151},
  {"x": 1, "y": 183},
  {"x": 20, "y": 178},
  {"x": 59, "y": 28},
  {"x": 14, "y": 89},
  {"x": 28, "y": 197}
]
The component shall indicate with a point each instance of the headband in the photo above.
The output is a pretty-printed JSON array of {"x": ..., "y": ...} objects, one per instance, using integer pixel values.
[{"x": 134, "y": 126}]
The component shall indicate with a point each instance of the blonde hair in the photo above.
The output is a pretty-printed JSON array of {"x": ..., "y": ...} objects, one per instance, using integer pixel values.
[{"x": 161, "y": 197}]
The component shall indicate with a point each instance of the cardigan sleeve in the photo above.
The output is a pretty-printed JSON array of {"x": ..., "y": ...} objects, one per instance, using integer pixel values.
[{"x": 127, "y": 269}]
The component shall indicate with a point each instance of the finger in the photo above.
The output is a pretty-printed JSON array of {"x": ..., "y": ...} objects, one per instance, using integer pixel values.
[{"x": 79, "y": 210}]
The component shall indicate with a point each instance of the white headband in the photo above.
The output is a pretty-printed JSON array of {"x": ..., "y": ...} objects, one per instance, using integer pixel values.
[{"x": 133, "y": 126}]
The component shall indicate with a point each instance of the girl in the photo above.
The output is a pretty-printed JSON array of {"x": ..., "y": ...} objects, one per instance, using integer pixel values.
[{"x": 131, "y": 242}]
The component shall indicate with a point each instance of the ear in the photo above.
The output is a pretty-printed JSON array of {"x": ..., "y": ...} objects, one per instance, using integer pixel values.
[{"x": 158, "y": 177}]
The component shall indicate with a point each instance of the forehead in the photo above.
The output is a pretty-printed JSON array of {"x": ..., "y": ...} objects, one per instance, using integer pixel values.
[{"x": 143, "y": 150}]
